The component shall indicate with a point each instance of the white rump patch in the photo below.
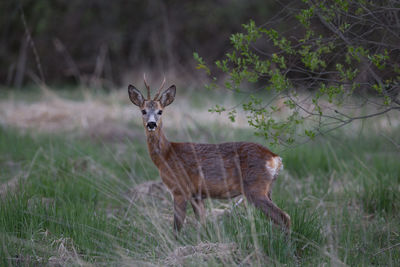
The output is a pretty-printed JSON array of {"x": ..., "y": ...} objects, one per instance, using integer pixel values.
[{"x": 274, "y": 165}]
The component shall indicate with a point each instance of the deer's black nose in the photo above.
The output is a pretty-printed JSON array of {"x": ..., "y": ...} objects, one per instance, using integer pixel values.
[{"x": 152, "y": 125}]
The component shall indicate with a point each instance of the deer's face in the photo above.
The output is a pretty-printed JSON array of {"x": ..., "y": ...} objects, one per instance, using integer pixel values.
[
  {"x": 151, "y": 109},
  {"x": 151, "y": 115}
]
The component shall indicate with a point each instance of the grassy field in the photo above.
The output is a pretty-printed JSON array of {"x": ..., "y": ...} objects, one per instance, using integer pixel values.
[{"x": 80, "y": 195}]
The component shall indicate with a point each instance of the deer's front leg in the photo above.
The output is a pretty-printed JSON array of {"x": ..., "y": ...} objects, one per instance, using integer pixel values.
[
  {"x": 179, "y": 212},
  {"x": 199, "y": 210}
]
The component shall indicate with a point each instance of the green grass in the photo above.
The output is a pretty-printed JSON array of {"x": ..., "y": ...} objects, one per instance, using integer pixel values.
[
  {"x": 79, "y": 180},
  {"x": 70, "y": 202}
]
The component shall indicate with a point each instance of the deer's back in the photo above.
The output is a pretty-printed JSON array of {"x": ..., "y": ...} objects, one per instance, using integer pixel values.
[
  {"x": 220, "y": 167},
  {"x": 247, "y": 153}
]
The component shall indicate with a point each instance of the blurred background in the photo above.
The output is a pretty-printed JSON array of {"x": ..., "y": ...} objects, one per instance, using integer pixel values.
[{"x": 102, "y": 43}]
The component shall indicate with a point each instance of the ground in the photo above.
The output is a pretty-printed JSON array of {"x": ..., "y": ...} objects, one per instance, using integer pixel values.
[{"x": 78, "y": 187}]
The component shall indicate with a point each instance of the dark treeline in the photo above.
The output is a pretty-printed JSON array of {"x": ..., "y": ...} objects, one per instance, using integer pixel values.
[{"x": 75, "y": 42}]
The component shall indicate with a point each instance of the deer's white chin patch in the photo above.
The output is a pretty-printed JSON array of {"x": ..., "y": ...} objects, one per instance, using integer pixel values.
[{"x": 151, "y": 129}]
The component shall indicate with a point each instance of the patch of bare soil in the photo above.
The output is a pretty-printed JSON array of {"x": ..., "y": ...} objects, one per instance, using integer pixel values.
[
  {"x": 151, "y": 196},
  {"x": 149, "y": 191},
  {"x": 157, "y": 190},
  {"x": 202, "y": 252}
]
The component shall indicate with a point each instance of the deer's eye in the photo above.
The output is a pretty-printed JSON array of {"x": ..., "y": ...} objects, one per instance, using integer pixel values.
[
  {"x": 144, "y": 112},
  {"x": 160, "y": 112}
]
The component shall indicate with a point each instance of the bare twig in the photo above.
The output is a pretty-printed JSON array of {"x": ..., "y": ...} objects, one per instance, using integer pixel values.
[{"x": 32, "y": 44}]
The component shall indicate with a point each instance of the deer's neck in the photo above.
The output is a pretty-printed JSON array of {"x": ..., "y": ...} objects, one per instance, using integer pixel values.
[{"x": 158, "y": 146}]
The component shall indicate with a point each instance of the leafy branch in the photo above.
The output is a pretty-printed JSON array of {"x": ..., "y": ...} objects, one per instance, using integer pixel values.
[{"x": 338, "y": 53}]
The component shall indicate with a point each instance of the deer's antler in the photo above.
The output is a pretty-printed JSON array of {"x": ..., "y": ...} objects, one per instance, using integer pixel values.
[
  {"x": 147, "y": 86},
  {"x": 159, "y": 90}
]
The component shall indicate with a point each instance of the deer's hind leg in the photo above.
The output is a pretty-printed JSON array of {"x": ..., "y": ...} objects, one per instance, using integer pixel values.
[{"x": 260, "y": 197}]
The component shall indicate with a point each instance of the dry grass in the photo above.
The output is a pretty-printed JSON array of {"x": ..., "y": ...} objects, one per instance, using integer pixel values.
[
  {"x": 109, "y": 117},
  {"x": 56, "y": 114}
]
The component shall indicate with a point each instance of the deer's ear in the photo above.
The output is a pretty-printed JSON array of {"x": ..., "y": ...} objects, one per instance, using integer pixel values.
[
  {"x": 135, "y": 96},
  {"x": 168, "y": 96}
]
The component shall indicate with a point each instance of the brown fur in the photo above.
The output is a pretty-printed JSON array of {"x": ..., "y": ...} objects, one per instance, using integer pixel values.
[{"x": 193, "y": 172}]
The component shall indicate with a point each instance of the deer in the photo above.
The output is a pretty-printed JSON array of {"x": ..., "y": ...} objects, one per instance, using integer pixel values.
[{"x": 194, "y": 171}]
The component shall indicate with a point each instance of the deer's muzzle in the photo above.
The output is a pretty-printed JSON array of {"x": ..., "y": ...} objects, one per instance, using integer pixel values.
[{"x": 151, "y": 126}]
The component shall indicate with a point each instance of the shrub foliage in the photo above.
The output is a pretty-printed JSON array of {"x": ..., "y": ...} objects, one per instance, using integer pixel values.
[{"x": 336, "y": 50}]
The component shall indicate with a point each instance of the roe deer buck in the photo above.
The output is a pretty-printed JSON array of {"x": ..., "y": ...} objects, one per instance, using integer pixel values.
[{"x": 194, "y": 171}]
